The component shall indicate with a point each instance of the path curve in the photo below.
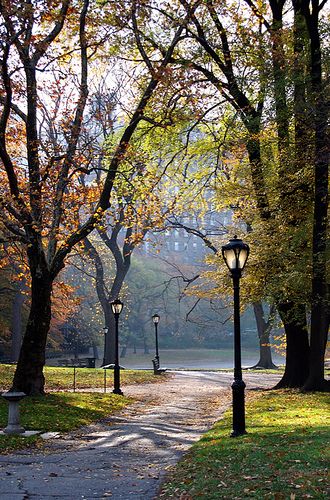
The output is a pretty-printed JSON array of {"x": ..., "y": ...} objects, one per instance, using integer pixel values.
[{"x": 127, "y": 455}]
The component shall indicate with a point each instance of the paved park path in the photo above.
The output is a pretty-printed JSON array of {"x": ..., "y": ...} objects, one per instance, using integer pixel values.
[{"x": 127, "y": 455}]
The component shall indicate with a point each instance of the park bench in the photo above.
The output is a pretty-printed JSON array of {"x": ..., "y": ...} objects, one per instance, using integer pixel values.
[
  {"x": 77, "y": 362},
  {"x": 83, "y": 362},
  {"x": 63, "y": 362},
  {"x": 157, "y": 369}
]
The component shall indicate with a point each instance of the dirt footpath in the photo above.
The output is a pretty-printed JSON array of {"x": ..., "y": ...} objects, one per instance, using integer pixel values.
[{"x": 126, "y": 456}]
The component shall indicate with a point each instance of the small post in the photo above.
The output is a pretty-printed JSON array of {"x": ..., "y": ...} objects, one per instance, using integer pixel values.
[
  {"x": 105, "y": 381},
  {"x": 74, "y": 379},
  {"x": 13, "y": 399},
  {"x": 106, "y": 330}
]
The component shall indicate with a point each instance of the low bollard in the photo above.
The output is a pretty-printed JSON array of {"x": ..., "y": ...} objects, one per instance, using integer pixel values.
[{"x": 13, "y": 399}]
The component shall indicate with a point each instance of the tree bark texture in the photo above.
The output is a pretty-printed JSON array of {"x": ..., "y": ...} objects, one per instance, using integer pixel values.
[
  {"x": 29, "y": 376},
  {"x": 16, "y": 325},
  {"x": 265, "y": 360},
  {"x": 109, "y": 344},
  {"x": 122, "y": 260},
  {"x": 297, "y": 346},
  {"x": 319, "y": 305}
]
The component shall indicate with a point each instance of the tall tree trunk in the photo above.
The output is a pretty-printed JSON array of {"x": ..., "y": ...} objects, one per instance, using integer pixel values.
[
  {"x": 110, "y": 339},
  {"x": 292, "y": 157},
  {"x": 105, "y": 297},
  {"x": 280, "y": 77},
  {"x": 29, "y": 376},
  {"x": 297, "y": 346},
  {"x": 16, "y": 324},
  {"x": 123, "y": 351},
  {"x": 265, "y": 359},
  {"x": 117, "y": 285},
  {"x": 319, "y": 306}
]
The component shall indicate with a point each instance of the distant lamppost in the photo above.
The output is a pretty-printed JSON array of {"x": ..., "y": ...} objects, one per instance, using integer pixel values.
[
  {"x": 105, "y": 329},
  {"x": 116, "y": 307},
  {"x": 235, "y": 255},
  {"x": 156, "y": 319}
]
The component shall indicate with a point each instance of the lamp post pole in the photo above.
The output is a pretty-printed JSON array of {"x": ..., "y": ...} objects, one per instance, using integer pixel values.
[
  {"x": 238, "y": 385},
  {"x": 235, "y": 255},
  {"x": 116, "y": 306},
  {"x": 155, "y": 319}
]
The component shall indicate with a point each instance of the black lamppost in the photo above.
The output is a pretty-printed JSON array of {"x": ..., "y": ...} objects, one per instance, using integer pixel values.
[
  {"x": 235, "y": 255},
  {"x": 156, "y": 319},
  {"x": 116, "y": 307}
]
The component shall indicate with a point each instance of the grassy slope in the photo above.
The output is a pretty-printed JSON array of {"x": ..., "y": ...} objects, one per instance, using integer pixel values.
[{"x": 283, "y": 456}]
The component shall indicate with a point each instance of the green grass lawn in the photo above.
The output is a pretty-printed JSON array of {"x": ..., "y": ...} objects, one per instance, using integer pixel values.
[
  {"x": 59, "y": 379},
  {"x": 284, "y": 455},
  {"x": 59, "y": 412}
]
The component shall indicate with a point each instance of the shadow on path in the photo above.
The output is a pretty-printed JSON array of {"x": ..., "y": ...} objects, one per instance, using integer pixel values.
[{"x": 125, "y": 456}]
